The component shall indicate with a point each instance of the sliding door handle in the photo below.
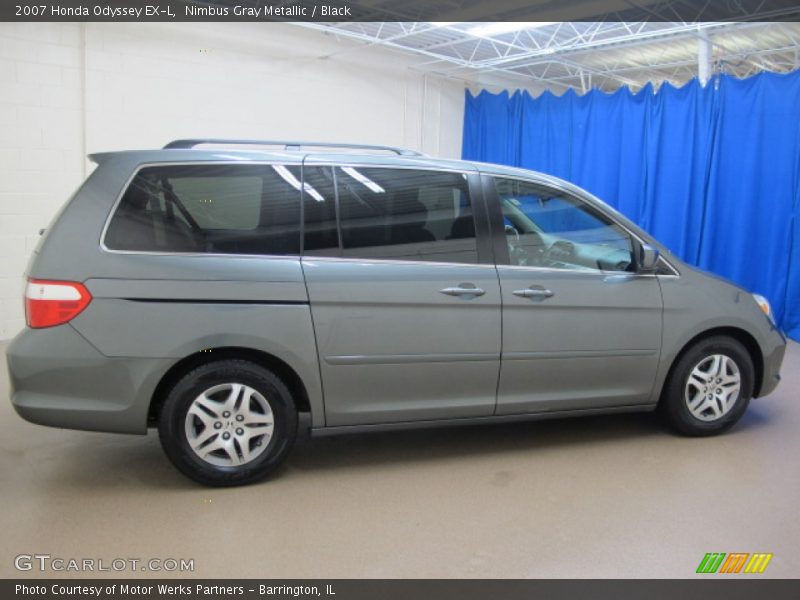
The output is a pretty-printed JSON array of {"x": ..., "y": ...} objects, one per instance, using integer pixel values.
[
  {"x": 465, "y": 289},
  {"x": 537, "y": 293}
]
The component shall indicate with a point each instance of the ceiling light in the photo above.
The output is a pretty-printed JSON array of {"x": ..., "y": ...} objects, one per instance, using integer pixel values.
[{"x": 490, "y": 29}]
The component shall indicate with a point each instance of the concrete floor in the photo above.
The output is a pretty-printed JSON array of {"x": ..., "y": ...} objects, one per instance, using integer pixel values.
[{"x": 595, "y": 497}]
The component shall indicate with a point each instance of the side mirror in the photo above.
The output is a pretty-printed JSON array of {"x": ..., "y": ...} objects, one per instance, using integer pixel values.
[{"x": 647, "y": 260}]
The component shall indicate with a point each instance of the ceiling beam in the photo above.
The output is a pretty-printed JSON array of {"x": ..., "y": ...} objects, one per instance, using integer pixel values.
[{"x": 621, "y": 41}]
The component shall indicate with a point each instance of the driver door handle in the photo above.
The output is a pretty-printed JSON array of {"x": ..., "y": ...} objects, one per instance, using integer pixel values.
[{"x": 534, "y": 293}]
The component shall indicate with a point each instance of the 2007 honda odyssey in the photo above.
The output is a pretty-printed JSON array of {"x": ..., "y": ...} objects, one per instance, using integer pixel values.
[{"x": 216, "y": 290}]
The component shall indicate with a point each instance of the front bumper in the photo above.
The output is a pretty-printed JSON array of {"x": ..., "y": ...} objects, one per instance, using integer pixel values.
[
  {"x": 59, "y": 379},
  {"x": 773, "y": 359}
]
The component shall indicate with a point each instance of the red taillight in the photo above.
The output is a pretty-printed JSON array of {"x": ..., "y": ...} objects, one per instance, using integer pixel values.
[{"x": 50, "y": 303}]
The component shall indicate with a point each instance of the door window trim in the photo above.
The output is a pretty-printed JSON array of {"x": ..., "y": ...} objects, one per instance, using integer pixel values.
[
  {"x": 480, "y": 214},
  {"x": 483, "y": 237},
  {"x": 142, "y": 166},
  {"x": 499, "y": 244}
]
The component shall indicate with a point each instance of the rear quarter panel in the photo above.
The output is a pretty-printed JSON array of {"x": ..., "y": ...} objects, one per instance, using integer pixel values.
[{"x": 169, "y": 306}]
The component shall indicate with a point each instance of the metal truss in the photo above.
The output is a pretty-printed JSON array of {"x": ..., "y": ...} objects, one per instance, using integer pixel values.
[{"x": 604, "y": 54}]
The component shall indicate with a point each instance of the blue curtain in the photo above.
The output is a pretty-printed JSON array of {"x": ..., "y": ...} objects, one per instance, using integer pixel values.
[{"x": 712, "y": 172}]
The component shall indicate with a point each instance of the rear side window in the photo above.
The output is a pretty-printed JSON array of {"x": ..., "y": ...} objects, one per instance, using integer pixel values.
[
  {"x": 226, "y": 202},
  {"x": 219, "y": 209},
  {"x": 390, "y": 214}
]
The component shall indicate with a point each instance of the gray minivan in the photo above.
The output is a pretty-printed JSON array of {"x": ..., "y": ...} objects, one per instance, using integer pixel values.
[{"x": 217, "y": 289}]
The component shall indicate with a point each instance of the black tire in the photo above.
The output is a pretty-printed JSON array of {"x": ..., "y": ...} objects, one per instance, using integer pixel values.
[
  {"x": 173, "y": 434},
  {"x": 673, "y": 405}
]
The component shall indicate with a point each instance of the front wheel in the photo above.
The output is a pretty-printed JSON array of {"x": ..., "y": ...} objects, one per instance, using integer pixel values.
[
  {"x": 709, "y": 388},
  {"x": 229, "y": 422}
]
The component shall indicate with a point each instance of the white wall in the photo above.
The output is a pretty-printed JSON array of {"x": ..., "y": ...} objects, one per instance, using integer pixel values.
[{"x": 68, "y": 89}]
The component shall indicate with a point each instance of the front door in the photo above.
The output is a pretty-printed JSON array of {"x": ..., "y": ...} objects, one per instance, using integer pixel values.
[
  {"x": 404, "y": 294},
  {"x": 581, "y": 329}
]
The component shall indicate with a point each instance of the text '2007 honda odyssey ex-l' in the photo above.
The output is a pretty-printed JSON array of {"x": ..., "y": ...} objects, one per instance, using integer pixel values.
[{"x": 216, "y": 292}]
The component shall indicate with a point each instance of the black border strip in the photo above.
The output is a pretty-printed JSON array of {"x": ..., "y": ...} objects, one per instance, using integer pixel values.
[
  {"x": 708, "y": 587},
  {"x": 321, "y": 11}
]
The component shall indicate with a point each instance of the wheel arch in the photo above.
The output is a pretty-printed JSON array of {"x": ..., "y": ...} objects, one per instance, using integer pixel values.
[
  {"x": 269, "y": 361},
  {"x": 738, "y": 334}
]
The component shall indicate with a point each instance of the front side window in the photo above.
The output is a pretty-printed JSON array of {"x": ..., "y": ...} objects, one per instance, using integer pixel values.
[
  {"x": 389, "y": 214},
  {"x": 546, "y": 227},
  {"x": 220, "y": 209}
]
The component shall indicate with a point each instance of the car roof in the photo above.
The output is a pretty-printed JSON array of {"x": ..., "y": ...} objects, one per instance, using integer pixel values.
[
  {"x": 292, "y": 156},
  {"x": 134, "y": 159},
  {"x": 411, "y": 160}
]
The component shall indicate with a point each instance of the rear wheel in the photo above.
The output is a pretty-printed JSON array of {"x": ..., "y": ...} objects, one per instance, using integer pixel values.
[
  {"x": 230, "y": 422},
  {"x": 709, "y": 388}
]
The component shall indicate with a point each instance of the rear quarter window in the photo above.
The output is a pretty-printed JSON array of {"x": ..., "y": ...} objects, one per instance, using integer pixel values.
[
  {"x": 222, "y": 202},
  {"x": 218, "y": 209}
]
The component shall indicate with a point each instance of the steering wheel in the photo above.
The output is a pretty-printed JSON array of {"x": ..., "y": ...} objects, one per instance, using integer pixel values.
[
  {"x": 559, "y": 252},
  {"x": 517, "y": 253}
]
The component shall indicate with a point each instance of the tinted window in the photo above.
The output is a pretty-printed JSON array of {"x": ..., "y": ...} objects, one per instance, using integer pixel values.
[
  {"x": 319, "y": 210},
  {"x": 222, "y": 202},
  {"x": 548, "y": 228},
  {"x": 394, "y": 214},
  {"x": 228, "y": 209}
]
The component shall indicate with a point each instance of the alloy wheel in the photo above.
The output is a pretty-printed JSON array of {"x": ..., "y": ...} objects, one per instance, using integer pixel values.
[
  {"x": 713, "y": 387},
  {"x": 229, "y": 425}
]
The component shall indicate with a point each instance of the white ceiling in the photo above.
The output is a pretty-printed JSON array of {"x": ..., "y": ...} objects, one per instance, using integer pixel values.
[{"x": 582, "y": 55}]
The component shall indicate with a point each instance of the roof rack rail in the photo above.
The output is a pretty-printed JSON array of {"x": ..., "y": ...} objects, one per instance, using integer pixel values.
[{"x": 287, "y": 145}]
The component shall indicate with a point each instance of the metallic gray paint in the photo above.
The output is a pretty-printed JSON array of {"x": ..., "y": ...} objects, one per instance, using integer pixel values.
[
  {"x": 60, "y": 379},
  {"x": 595, "y": 342},
  {"x": 374, "y": 342},
  {"x": 384, "y": 310}
]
